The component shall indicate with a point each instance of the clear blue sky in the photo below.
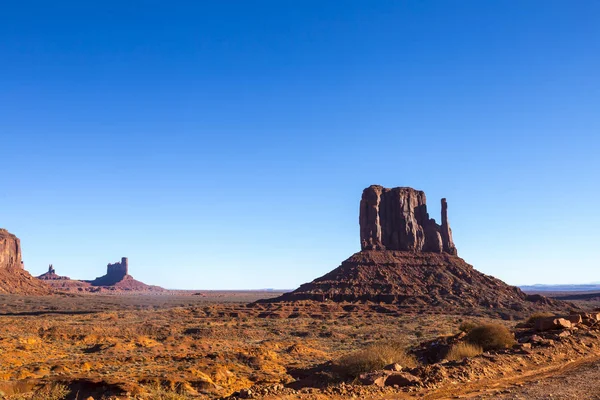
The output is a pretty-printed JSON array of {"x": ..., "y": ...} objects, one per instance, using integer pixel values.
[{"x": 225, "y": 144}]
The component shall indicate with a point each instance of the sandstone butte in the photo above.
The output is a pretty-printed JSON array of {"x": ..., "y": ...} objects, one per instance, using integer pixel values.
[
  {"x": 13, "y": 277},
  {"x": 15, "y": 280},
  {"x": 410, "y": 260},
  {"x": 117, "y": 278}
]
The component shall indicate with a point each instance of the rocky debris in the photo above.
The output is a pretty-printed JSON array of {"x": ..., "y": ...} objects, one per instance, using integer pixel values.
[
  {"x": 51, "y": 275},
  {"x": 393, "y": 367},
  {"x": 418, "y": 280},
  {"x": 13, "y": 277},
  {"x": 571, "y": 321},
  {"x": 546, "y": 324},
  {"x": 389, "y": 378},
  {"x": 397, "y": 219}
]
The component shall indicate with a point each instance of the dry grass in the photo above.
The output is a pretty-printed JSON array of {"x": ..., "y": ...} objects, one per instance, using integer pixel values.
[
  {"x": 539, "y": 315},
  {"x": 463, "y": 350},
  {"x": 467, "y": 326},
  {"x": 157, "y": 392},
  {"x": 54, "y": 391},
  {"x": 491, "y": 337},
  {"x": 374, "y": 357}
]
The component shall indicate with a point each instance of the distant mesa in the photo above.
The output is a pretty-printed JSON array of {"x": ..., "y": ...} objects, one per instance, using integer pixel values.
[
  {"x": 52, "y": 276},
  {"x": 410, "y": 260},
  {"x": 13, "y": 277},
  {"x": 117, "y": 279},
  {"x": 115, "y": 273}
]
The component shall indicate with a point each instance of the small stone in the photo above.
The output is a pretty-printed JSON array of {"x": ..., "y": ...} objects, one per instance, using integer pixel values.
[
  {"x": 401, "y": 379},
  {"x": 393, "y": 367}
]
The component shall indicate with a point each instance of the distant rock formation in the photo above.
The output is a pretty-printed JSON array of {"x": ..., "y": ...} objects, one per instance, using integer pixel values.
[
  {"x": 115, "y": 273},
  {"x": 407, "y": 259},
  {"x": 13, "y": 277},
  {"x": 397, "y": 219},
  {"x": 51, "y": 275},
  {"x": 117, "y": 278}
]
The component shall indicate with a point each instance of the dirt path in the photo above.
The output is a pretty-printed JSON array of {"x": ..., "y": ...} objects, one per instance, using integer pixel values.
[{"x": 575, "y": 380}]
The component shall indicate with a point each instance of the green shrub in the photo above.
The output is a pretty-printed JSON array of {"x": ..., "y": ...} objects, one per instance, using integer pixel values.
[
  {"x": 374, "y": 357},
  {"x": 491, "y": 337},
  {"x": 462, "y": 350}
]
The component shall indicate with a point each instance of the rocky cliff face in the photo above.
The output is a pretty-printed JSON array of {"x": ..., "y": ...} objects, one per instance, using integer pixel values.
[
  {"x": 10, "y": 250},
  {"x": 13, "y": 278},
  {"x": 397, "y": 219}
]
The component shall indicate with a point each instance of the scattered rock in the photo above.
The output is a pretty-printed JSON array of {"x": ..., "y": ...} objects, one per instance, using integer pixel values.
[
  {"x": 393, "y": 367},
  {"x": 551, "y": 323},
  {"x": 401, "y": 379},
  {"x": 376, "y": 378}
]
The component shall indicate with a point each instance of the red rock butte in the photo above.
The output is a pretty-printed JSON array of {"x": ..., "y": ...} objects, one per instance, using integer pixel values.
[
  {"x": 410, "y": 260},
  {"x": 13, "y": 277},
  {"x": 397, "y": 219}
]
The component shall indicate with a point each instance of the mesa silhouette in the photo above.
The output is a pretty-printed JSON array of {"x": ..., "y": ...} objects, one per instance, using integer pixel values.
[
  {"x": 117, "y": 278},
  {"x": 410, "y": 260}
]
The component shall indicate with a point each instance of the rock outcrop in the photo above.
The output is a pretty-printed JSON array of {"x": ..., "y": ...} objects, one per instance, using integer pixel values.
[
  {"x": 13, "y": 277},
  {"x": 407, "y": 259},
  {"x": 397, "y": 219},
  {"x": 10, "y": 251},
  {"x": 115, "y": 273},
  {"x": 117, "y": 278},
  {"x": 51, "y": 275}
]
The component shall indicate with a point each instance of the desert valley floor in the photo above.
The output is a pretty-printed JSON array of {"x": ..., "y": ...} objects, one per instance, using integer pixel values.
[{"x": 180, "y": 345}]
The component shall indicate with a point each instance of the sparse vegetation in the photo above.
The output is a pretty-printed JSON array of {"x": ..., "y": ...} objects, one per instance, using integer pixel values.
[
  {"x": 539, "y": 315},
  {"x": 374, "y": 357},
  {"x": 491, "y": 337},
  {"x": 462, "y": 350},
  {"x": 467, "y": 326},
  {"x": 157, "y": 392},
  {"x": 55, "y": 391}
]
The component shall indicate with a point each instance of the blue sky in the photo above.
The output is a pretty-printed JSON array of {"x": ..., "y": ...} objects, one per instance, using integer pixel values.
[{"x": 225, "y": 144}]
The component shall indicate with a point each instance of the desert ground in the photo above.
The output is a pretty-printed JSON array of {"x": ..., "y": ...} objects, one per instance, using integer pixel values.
[{"x": 187, "y": 345}]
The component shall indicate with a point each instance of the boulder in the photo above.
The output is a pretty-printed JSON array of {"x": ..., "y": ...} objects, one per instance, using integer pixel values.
[
  {"x": 393, "y": 367},
  {"x": 552, "y": 323},
  {"x": 376, "y": 378},
  {"x": 398, "y": 378}
]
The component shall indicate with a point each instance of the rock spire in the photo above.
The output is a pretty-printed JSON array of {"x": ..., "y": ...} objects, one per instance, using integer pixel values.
[{"x": 397, "y": 219}]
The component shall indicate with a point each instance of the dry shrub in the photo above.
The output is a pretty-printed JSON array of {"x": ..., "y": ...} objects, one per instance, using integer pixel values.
[
  {"x": 491, "y": 337},
  {"x": 462, "y": 350},
  {"x": 157, "y": 392},
  {"x": 467, "y": 326},
  {"x": 54, "y": 391},
  {"x": 539, "y": 315},
  {"x": 374, "y": 357}
]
